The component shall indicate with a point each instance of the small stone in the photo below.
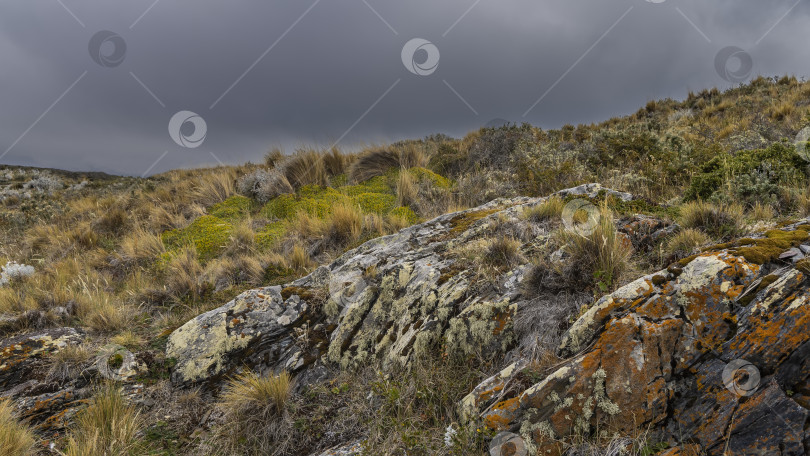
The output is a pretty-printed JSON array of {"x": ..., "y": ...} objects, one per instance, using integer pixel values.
[
  {"x": 793, "y": 253},
  {"x": 805, "y": 249}
]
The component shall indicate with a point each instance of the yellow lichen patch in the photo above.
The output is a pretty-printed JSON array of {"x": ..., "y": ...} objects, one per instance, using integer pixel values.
[
  {"x": 502, "y": 414},
  {"x": 461, "y": 222},
  {"x": 767, "y": 249}
]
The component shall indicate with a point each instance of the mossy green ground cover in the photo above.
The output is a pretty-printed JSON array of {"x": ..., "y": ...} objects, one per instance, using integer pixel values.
[{"x": 210, "y": 233}]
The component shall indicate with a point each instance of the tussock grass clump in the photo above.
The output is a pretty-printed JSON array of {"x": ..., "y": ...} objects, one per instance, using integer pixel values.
[
  {"x": 101, "y": 312},
  {"x": 761, "y": 212},
  {"x": 214, "y": 187},
  {"x": 503, "y": 252},
  {"x": 68, "y": 363},
  {"x": 182, "y": 274},
  {"x": 300, "y": 261},
  {"x": 345, "y": 224},
  {"x": 407, "y": 191},
  {"x": 254, "y": 407},
  {"x": 377, "y": 162},
  {"x": 108, "y": 426},
  {"x": 16, "y": 439},
  {"x": 373, "y": 163},
  {"x": 242, "y": 238},
  {"x": 252, "y": 393},
  {"x": 717, "y": 220},
  {"x": 114, "y": 221},
  {"x": 273, "y": 157},
  {"x": 603, "y": 252},
  {"x": 141, "y": 247},
  {"x": 550, "y": 209},
  {"x": 306, "y": 167},
  {"x": 686, "y": 242},
  {"x": 335, "y": 162}
]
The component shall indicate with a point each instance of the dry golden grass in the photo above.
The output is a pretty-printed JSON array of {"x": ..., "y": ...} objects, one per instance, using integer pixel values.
[
  {"x": 214, "y": 186},
  {"x": 407, "y": 190},
  {"x": 306, "y": 167},
  {"x": 550, "y": 209},
  {"x": 183, "y": 273},
  {"x": 300, "y": 261},
  {"x": 128, "y": 339},
  {"x": 372, "y": 163},
  {"x": 273, "y": 157},
  {"x": 503, "y": 252},
  {"x": 16, "y": 439},
  {"x": 113, "y": 221},
  {"x": 345, "y": 224},
  {"x": 68, "y": 363},
  {"x": 602, "y": 251},
  {"x": 781, "y": 111},
  {"x": 141, "y": 246},
  {"x": 802, "y": 202},
  {"x": 686, "y": 242},
  {"x": 252, "y": 392},
  {"x": 761, "y": 212},
  {"x": 101, "y": 312},
  {"x": 307, "y": 226},
  {"x": 254, "y": 408},
  {"x": 107, "y": 427},
  {"x": 335, "y": 162},
  {"x": 716, "y": 220},
  {"x": 375, "y": 224},
  {"x": 243, "y": 238}
]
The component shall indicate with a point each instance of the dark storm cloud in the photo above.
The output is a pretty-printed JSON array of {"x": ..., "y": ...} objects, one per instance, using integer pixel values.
[{"x": 331, "y": 62}]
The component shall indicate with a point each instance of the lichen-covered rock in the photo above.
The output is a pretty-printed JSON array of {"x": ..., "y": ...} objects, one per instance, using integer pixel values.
[
  {"x": 349, "y": 449},
  {"x": 20, "y": 355},
  {"x": 713, "y": 355},
  {"x": 389, "y": 299},
  {"x": 257, "y": 323},
  {"x": 45, "y": 404}
]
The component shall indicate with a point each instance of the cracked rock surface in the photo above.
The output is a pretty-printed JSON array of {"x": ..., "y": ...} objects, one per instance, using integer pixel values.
[{"x": 710, "y": 355}]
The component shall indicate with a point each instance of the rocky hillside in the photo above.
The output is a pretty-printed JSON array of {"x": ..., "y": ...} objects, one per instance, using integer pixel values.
[
  {"x": 634, "y": 287},
  {"x": 708, "y": 356}
]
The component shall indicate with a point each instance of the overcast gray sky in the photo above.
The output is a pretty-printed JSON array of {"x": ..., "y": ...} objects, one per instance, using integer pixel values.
[{"x": 304, "y": 72}]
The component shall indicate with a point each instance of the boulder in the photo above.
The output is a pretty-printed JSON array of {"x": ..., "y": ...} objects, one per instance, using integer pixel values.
[
  {"x": 21, "y": 355},
  {"x": 391, "y": 299},
  {"x": 710, "y": 355}
]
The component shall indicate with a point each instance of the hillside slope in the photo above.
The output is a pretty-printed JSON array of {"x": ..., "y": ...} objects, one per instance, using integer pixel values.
[{"x": 427, "y": 296}]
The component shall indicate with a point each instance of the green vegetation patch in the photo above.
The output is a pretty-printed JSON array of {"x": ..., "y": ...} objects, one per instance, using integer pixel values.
[
  {"x": 405, "y": 213},
  {"x": 753, "y": 174},
  {"x": 271, "y": 234},
  {"x": 233, "y": 208},
  {"x": 422, "y": 175},
  {"x": 311, "y": 199},
  {"x": 379, "y": 184},
  {"x": 209, "y": 234},
  {"x": 378, "y": 203},
  {"x": 766, "y": 250}
]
